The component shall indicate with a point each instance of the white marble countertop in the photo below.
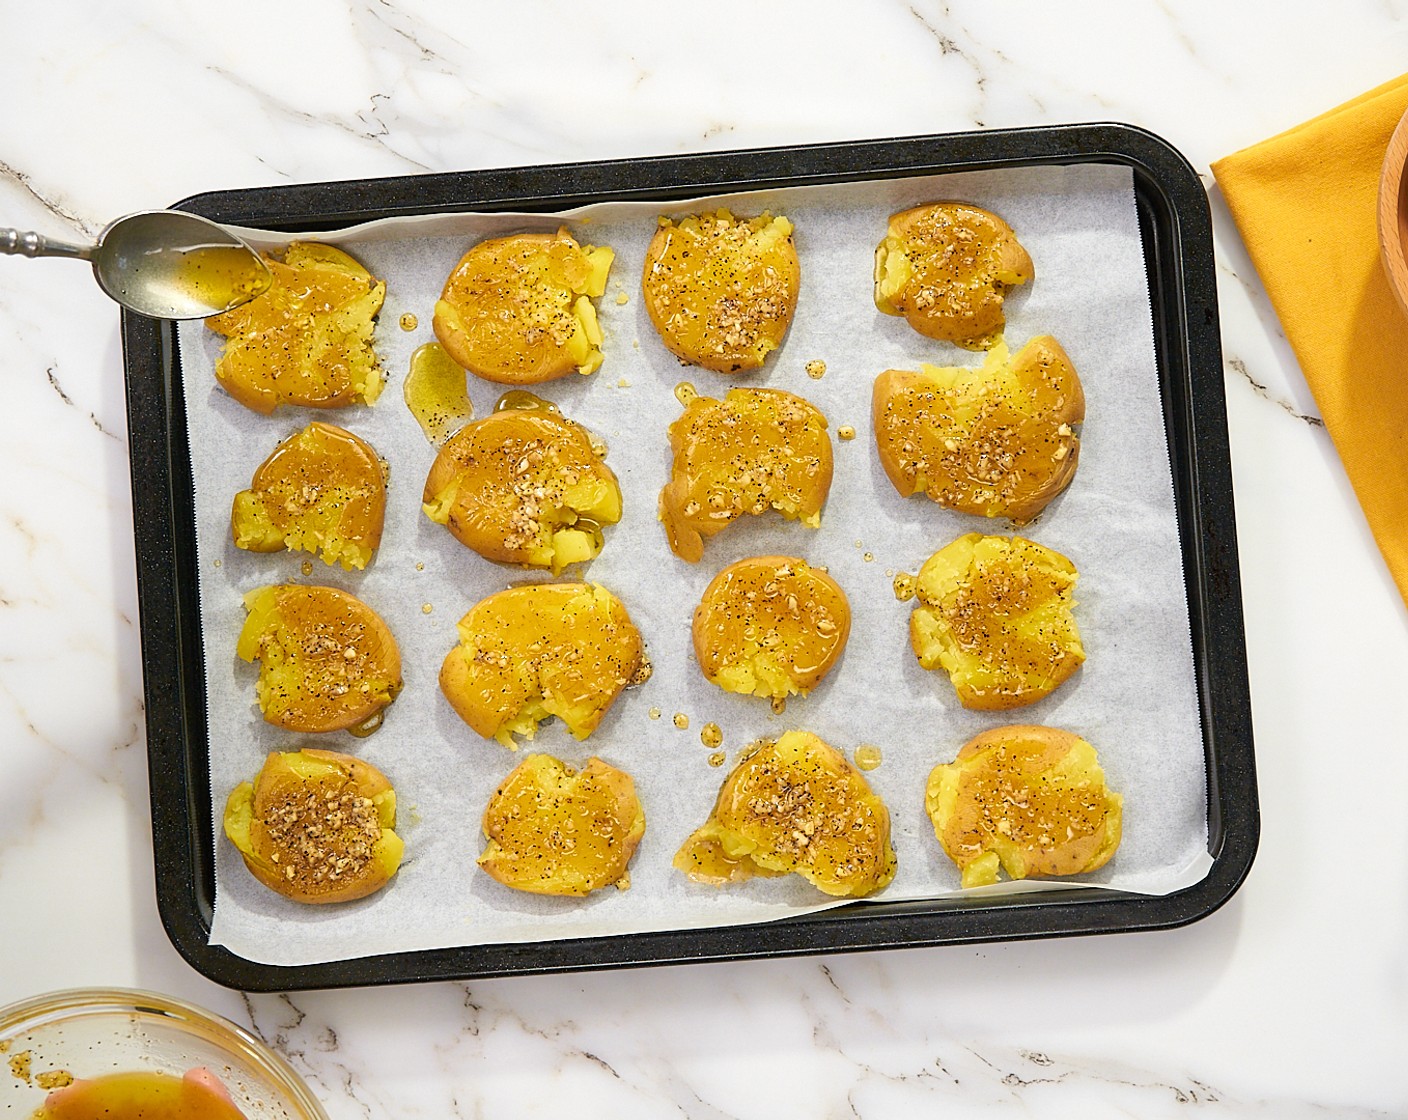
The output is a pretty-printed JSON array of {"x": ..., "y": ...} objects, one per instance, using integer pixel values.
[{"x": 1292, "y": 1000}]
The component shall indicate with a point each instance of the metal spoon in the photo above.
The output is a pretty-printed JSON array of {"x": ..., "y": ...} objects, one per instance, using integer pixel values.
[{"x": 161, "y": 263}]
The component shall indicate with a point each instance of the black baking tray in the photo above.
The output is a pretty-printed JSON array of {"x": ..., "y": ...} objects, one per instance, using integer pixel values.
[{"x": 1176, "y": 228}]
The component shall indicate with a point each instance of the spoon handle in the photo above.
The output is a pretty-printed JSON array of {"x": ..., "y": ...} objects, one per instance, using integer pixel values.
[{"x": 37, "y": 245}]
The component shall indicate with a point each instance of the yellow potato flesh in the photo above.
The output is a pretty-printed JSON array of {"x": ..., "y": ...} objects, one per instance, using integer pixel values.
[
  {"x": 720, "y": 290},
  {"x": 308, "y": 339},
  {"x": 705, "y": 860},
  {"x": 518, "y": 310},
  {"x": 995, "y": 613},
  {"x": 554, "y": 831},
  {"x": 323, "y": 490},
  {"x": 315, "y": 825},
  {"x": 994, "y": 441},
  {"x": 893, "y": 272},
  {"x": 327, "y": 662},
  {"x": 946, "y": 268},
  {"x": 1030, "y": 800},
  {"x": 528, "y": 653},
  {"x": 754, "y": 450},
  {"x": 795, "y": 805},
  {"x": 523, "y": 486},
  {"x": 770, "y": 626}
]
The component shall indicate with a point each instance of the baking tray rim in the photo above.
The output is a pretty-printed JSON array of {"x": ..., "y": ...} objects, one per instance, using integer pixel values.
[{"x": 1176, "y": 225}]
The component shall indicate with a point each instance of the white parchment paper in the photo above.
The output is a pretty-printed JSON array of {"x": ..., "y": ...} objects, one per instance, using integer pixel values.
[{"x": 1134, "y": 698}]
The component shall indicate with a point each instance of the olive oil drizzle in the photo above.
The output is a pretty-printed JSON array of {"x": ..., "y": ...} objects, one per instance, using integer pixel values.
[
  {"x": 436, "y": 391},
  {"x": 220, "y": 276},
  {"x": 522, "y": 400}
]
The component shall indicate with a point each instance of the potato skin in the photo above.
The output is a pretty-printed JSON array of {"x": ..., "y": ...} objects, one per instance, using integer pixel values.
[
  {"x": 795, "y": 805},
  {"x": 485, "y": 483},
  {"x": 527, "y": 653},
  {"x": 754, "y": 450},
  {"x": 322, "y": 490},
  {"x": 555, "y": 832},
  {"x": 945, "y": 267},
  {"x": 307, "y": 340},
  {"x": 799, "y": 615},
  {"x": 998, "y": 441},
  {"x": 721, "y": 290},
  {"x": 1031, "y": 799},
  {"x": 516, "y": 310},
  {"x": 316, "y": 826},
  {"x": 318, "y": 647}
]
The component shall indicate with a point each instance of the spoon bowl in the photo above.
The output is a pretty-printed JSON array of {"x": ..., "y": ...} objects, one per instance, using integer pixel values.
[{"x": 162, "y": 263}]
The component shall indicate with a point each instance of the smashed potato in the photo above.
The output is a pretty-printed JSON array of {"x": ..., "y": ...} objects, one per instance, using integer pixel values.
[
  {"x": 308, "y": 339},
  {"x": 523, "y": 486},
  {"x": 946, "y": 267},
  {"x": 998, "y": 441},
  {"x": 770, "y": 626},
  {"x": 1031, "y": 800},
  {"x": 518, "y": 310},
  {"x": 755, "y": 450},
  {"x": 722, "y": 290},
  {"x": 995, "y": 612},
  {"x": 795, "y": 805},
  {"x": 552, "y": 830},
  {"x": 556, "y": 649},
  {"x": 316, "y": 826},
  {"x": 327, "y": 662},
  {"x": 323, "y": 490}
]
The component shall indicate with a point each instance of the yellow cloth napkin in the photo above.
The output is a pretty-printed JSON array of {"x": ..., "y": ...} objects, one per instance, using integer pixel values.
[{"x": 1306, "y": 204}]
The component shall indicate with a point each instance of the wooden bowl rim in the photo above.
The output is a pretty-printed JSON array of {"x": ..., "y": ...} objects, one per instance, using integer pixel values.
[{"x": 1393, "y": 213}]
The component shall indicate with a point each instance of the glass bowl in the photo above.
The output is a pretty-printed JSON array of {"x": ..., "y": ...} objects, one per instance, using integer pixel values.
[{"x": 91, "y": 1032}]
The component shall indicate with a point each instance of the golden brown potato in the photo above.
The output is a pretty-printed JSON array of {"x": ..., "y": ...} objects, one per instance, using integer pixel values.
[
  {"x": 523, "y": 486},
  {"x": 552, "y": 830},
  {"x": 308, "y": 339},
  {"x": 755, "y": 450},
  {"x": 316, "y": 826},
  {"x": 998, "y": 441},
  {"x": 518, "y": 310},
  {"x": 1029, "y": 799},
  {"x": 557, "y": 649},
  {"x": 795, "y": 805},
  {"x": 770, "y": 626},
  {"x": 946, "y": 267},
  {"x": 995, "y": 612},
  {"x": 327, "y": 662},
  {"x": 323, "y": 490},
  {"x": 721, "y": 290}
]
